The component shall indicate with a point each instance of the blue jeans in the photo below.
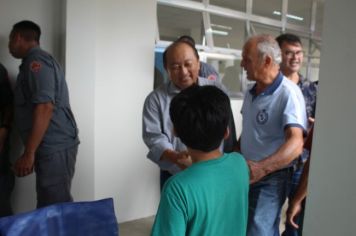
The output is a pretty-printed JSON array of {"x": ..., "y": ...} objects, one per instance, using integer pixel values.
[{"x": 266, "y": 199}]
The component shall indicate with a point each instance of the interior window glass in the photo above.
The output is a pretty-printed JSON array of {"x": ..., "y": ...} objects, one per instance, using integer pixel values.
[{"x": 175, "y": 22}]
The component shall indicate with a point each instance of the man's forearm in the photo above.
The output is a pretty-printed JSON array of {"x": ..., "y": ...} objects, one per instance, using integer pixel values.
[
  {"x": 41, "y": 118},
  {"x": 289, "y": 151},
  {"x": 301, "y": 192}
]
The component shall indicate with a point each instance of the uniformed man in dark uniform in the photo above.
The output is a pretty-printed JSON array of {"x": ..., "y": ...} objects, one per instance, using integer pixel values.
[
  {"x": 6, "y": 113},
  {"x": 44, "y": 117}
]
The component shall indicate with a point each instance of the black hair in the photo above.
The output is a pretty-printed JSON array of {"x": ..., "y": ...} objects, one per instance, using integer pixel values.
[
  {"x": 200, "y": 116},
  {"x": 288, "y": 38},
  {"x": 175, "y": 44},
  {"x": 188, "y": 39},
  {"x": 29, "y": 30}
]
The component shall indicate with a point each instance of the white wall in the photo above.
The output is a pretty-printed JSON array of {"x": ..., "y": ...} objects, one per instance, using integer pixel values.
[
  {"x": 107, "y": 47},
  {"x": 110, "y": 51},
  {"x": 125, "y": 53},
  {"x": 80, "y": 75},
  {"x": 48, "y": 13},
  {"x": 331, "y": 206}
]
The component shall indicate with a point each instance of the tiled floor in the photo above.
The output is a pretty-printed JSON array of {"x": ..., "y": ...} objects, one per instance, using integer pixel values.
[{"x": 142, "y": 227}]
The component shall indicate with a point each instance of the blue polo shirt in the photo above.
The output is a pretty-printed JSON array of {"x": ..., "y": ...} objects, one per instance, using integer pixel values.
[{"x": 267, "y": 115}]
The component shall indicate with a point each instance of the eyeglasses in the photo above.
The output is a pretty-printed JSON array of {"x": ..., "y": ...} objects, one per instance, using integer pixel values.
[{"x": 289, "y": 53}]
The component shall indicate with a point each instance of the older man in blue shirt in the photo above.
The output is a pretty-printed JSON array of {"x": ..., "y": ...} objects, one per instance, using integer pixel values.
[{"x": 274, "y": 122}]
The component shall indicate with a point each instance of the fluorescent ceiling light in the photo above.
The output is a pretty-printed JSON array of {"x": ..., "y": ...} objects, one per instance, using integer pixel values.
[
  {"x": 220, "y": 56},
  {"x": 222, "y": 26},
  {"x": 278, "y": 13},
  {"x": 217, "y": 32}
]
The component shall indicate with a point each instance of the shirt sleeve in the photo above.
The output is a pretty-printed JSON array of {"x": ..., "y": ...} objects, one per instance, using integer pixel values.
[
  {"x": 154, "y": 138},
  {"x": 294, "y": 114},
  {"x": 41, "y": 81},
  {"x": 170, "y": 218}
]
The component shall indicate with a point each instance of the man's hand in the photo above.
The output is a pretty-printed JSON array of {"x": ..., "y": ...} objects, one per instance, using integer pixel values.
[
  {"x": 311, "y": 121},
  {"x": 24, "y": 165},
  {"x": 293, "y": 211},
  {"x": 256, "y": 171},
  {"x": 184, "y": 160}
]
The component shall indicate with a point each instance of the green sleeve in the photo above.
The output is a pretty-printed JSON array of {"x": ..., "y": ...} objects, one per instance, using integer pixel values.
[{"x": 171, "y": 218}]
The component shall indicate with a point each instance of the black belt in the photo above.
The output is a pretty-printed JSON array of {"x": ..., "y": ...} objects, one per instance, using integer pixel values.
[{"x": 287, "y": 169}]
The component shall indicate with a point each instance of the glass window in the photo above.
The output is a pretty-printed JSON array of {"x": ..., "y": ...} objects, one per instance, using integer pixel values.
[
  {"x": 238, "y": 5},
  {"x": 229, "y": 69},
  {"x": 319, "y": 18},
  {"x": 230, "y": 73},
  {"x": 160, "y": 74},
  {"x": 175, "y": 22},
  {"x": 315, "y": 63},
  {"x": 314, "y": 73},
  {"x": 231, "y": 77},
  {"x": 270, "y": 8},
  {"x": 227, "y": 32},
  {"x": 265, "y": 29},
  {"x": 299, "y": 12},
  {"x": 305, "y": 43}
]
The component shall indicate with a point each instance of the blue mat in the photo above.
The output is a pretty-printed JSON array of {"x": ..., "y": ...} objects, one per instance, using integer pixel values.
[{"x": 96, "y": 218}]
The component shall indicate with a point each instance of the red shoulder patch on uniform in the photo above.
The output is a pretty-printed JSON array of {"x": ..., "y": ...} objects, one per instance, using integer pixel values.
[
  {"x": 35, "y": 66},
  {"x": 212, "y": 77}
]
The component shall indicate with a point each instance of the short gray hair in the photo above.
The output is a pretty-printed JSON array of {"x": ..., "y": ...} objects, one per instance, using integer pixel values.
[{"x": 268, "y": 46}]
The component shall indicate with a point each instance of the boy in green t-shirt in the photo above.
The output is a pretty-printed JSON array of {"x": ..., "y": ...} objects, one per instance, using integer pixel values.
[{"x": 211, "y": 196}]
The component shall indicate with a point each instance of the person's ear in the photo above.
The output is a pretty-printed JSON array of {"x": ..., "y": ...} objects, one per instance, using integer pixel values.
[
  {"x": 267, "y": 61},
  {"x": 227, "y": 133}
]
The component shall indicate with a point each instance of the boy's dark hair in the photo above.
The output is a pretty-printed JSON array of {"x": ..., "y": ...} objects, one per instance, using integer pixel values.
[
  {"x": 200, "y": 116},
  {"x": 174, "y": 44},
  {"x": 288, "y": 38},
  {"x": 29, "y": 30}
]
